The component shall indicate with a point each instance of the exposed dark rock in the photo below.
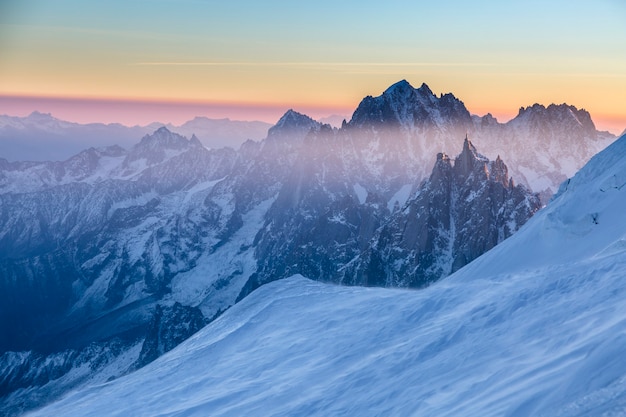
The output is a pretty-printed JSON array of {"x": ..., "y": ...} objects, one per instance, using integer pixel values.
[
  {"x": 462, "y": 211},
  {"x": 168, "y": 328}
]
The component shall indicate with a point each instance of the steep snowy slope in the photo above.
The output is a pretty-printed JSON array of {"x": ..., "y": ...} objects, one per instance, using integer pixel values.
[{"x": 537, "y": 326}]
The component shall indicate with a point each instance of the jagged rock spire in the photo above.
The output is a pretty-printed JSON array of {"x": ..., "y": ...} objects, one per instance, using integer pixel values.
[
  {"x": 500, "y": 173},
  {"x": 451, "y": 220},
  {"x": 464, "y": 163},
  {"x": 403, "y": 106}
]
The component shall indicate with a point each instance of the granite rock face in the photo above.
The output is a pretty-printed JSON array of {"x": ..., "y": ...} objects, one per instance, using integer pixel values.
[{"x": 464, "y": 209}]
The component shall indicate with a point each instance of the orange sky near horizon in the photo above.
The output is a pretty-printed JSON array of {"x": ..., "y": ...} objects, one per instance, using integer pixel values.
[
  {"x": 140, "y": 61},
  {"x": 134, "y": 112}
]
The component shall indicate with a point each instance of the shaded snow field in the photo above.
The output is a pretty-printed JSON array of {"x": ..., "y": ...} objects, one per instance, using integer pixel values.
[{"x": 537, "y": 326}]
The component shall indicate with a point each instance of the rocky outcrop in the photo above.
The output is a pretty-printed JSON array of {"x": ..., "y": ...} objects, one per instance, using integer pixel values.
[
  {"x": 402, "y": 106},
  {"x": 168, "y": 328},
  {"x": 464, "y": 209}
]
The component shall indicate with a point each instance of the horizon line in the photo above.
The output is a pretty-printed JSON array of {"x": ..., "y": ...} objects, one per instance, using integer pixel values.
[{"x": 162, "y": 110}]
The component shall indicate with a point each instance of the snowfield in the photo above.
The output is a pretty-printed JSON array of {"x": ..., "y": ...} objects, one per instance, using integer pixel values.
[{"x": 536, "y": 326}]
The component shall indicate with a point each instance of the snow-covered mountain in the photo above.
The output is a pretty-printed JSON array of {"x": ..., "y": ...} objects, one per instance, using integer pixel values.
[
  {"x": 548, "y": 144},
  {"x": 219, "y": 133},
  {"x": 464, "y": 209},
  {"x": 107, "y": 265},
  {"x": 536, "y": 326},
  {"x": 327, "y": 225},
  {"x": 112, "y": 257},
  {"x": 543, "y": 146},
  {"x": 42, "y": 137}
]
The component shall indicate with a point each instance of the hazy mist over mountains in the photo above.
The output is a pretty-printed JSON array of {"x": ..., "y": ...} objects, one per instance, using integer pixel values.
[
  {"x": 533, "y": 327},
  {"x": 42, "y": 137},
  {"x": 116, "y": 255},
  {"x": 296, "y": 209}
]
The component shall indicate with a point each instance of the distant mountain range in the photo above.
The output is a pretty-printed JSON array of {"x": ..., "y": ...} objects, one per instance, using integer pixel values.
[
  {"x": 112, "y": 257},
  {"x": 41, "y": 137},
  {"x": 542, "y": 145}
]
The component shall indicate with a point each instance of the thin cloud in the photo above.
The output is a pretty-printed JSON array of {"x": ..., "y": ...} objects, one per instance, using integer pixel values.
[{"x": 313, "y": 64}]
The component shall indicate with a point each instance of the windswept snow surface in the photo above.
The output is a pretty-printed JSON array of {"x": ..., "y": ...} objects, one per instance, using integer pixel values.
[{"x": 536, "y": 326}]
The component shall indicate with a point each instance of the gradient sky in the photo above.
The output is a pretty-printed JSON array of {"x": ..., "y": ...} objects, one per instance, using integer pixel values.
[{"x": 136, "y": 61}]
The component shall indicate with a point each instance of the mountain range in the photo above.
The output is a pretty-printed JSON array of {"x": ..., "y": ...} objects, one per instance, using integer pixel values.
[
  {"x": 115, "y": 256},
  {"x": 42, "y": 137},
  {"x": 536, "y": 326}
]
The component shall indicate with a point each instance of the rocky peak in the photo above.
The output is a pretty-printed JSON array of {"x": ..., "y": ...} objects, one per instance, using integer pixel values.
[
  {"x": 44, "y": 121},
  {"x": 163, "y": 138},
  {"x": 293, "y": 125},
  {"x": 442, "y": 168},
  {"x": 40, "y": 117},
  {"x": 425, "y": 91},
  {"x": 499, "y": 172},
  {"x": 443, "y": 157},
  {"x": 468, "y": 160},
  {"x": 563, "y": 114},
  {"x": 201, "y": 121},
  {"x": 487, "y": 121},
  {"x": 401, "y": 88},
  {"x": 395, "y": 107},
  {"x": 160, "y": 145},
  {"x": 194, "y": 141},
  {"x": 403, "y": 106},
  {"x": 453, "y": 109}
]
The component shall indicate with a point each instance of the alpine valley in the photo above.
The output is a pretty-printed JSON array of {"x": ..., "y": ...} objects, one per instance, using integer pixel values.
[{"x": 115, "y": 256}]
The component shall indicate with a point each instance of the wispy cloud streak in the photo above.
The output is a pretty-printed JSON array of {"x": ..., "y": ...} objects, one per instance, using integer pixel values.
[{"x": 314, "y": 64}]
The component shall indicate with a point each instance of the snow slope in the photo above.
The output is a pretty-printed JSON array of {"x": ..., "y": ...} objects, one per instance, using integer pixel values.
[{"x": 537, "y": 326}]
